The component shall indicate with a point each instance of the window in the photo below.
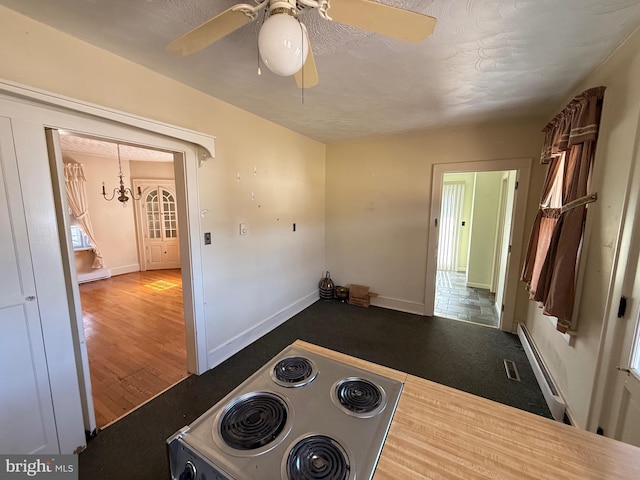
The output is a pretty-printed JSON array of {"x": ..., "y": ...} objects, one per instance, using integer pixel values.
[
  {"x": 554, "y": 198},
  {"x": 555, "y": 245},
  {"x": 79, "y": 239}
]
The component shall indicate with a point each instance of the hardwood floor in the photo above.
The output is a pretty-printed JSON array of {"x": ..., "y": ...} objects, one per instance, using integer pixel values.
[{"x": 134, "y": 329}]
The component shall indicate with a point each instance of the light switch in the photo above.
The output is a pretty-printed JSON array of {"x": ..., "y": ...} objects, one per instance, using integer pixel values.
[{"x": 243, "y": 229}]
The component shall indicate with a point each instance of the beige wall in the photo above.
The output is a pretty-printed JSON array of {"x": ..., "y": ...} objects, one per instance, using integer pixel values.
[
  {"x": 250, "y": 279},
  {"x": 574, "y": 367},
  {"x": 143, "y": 170},
  {"x": 378, "y": 196},
  {"x": 484, "y": 224}
]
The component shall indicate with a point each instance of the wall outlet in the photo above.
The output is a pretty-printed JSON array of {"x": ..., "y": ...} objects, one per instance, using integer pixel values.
[
  {"x": 243, "y": 229},
  {"x": 207, "y": 238}
]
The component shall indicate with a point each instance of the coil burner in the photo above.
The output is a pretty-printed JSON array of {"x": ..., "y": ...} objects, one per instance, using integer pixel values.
[
  {"x": 252, "y": 423},
  {"x": 294, "y": 372},
  {"x": 317, "y": 457},
  {"x": 301, "y": 416},
  {"x": 359, "y": 397}
]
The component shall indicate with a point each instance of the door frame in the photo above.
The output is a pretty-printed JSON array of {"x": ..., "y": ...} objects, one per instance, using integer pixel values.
[
  {"x": 624, "y": 281},
  {"x": 507, "y": 216},
  {"x": 522, "y": 166},
  {"x": 502, "y": 211},
  {"x": 35, "y": 110},
  {"x": 194, "y": 343}
]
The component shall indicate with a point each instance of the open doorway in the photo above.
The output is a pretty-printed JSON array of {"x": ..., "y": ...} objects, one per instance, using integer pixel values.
[
  {"x": 36, "y": 117},
  {"x": 132, "y": 305},
  {"x": 474, "y": 232},
  {"x": 504, "y": 275}
]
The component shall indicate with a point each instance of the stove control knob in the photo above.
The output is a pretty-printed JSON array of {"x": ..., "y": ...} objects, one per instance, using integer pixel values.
[{"x": 189, "y": 472}]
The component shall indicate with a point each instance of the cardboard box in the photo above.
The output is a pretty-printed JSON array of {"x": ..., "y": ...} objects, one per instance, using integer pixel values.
[{"x": 360, "y": 295}]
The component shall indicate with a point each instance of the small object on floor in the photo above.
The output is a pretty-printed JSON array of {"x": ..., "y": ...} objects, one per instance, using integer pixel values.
[
  {"x": 342, "y": 293},
  {"x": 326, "y": 287},
  {"x": 360, "y": 295}
]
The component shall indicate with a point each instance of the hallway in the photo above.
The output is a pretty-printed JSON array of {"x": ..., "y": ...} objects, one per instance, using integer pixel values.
[{"x": 457, "y": 301}]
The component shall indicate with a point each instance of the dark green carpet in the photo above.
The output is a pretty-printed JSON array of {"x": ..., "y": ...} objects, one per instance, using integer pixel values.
[{"x": 461, "y": 355}]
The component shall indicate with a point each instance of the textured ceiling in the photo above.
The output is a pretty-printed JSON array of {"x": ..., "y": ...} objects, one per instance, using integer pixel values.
[
  {"x": 71, "y": 144},
  {"x": 487, "y": 59}
]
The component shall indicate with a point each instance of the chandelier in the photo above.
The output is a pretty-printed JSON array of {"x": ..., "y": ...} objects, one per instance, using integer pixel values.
[{"x": 121, "y": 193}]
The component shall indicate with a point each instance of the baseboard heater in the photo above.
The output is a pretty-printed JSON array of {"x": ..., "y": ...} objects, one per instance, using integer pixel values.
[{"x": 549, "y": 390}]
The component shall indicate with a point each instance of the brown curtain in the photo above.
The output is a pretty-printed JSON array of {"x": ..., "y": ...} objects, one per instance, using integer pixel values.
[{"x": 550, "y": 268}]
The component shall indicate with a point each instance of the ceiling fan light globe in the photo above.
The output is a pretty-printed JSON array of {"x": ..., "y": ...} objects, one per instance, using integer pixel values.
[{"x": 283, "y": 44}]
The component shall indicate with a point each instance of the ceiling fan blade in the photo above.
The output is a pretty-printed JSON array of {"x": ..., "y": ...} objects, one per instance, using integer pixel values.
[
  {"x": 210, "y": 31},
  {"x": 307, "y": 76},
  {"x": 384, "y": 19}
]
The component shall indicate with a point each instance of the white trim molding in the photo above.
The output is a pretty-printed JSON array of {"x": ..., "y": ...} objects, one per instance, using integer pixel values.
[
  {"x": 398, "y": 304},
  {"x": 42, "y": 97},
  {"x": 222, "y": 352},
  {"x": 124, "y": 269}
]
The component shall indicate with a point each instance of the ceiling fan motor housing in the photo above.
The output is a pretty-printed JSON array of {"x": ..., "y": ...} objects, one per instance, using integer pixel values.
[{"x": 287, "y": 4}]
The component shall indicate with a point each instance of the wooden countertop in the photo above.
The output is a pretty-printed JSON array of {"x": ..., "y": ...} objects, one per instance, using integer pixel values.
[{"x": 442, "y": 433}]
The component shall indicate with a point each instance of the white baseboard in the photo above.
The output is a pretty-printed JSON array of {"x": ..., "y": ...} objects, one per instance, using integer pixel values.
[
  {"x": 219, "y": 354},
  {"x": 484, "y": 286},
  {"x": 97, "y": 274},
  {"x": 125, "y": 269},
  {"x": 548, "y": 386},
  {"x": 398, "y": 304}
]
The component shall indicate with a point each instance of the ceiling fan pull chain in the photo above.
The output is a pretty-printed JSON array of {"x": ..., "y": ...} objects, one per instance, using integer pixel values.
[
  {"x": 264, "y": 14},
  {"x": 302, "y": 33}
]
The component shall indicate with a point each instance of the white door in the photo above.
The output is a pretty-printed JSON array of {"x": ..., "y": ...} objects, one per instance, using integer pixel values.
[
  {"x": 159, "y": 227},
  {"x": 624, "y": 416},
  {"x": 450, "y": 221},
  {"x": 26, "y": 411}
]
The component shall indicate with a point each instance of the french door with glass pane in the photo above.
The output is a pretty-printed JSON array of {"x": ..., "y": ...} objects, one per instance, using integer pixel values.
[{"x": 158, "y": 225}]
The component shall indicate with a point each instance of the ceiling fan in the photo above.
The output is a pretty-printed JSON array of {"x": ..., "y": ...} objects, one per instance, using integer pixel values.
[{"x": 283, "y": 41}]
